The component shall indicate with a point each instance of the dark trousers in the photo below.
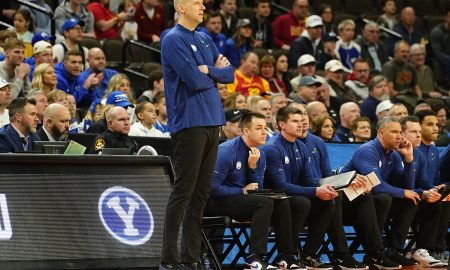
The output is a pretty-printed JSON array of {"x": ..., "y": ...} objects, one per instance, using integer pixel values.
[
  {"x": 285, "y": 215},
  {"x": 194, "y": 158},
  {"x": 319, "y": 218},
  {"x": 428, "y": 216},
  {"x": 401, "y": 211},
  {"x": 361, "y": 214},
  {"x": 442, "y": 227}
]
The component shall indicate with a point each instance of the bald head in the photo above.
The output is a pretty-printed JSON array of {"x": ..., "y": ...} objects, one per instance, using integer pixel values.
[
  {"x": 316, "y": 109},
  {"x": 349, "y": 111},
  {"x": 96, "y": 59},
  {"x": 118, "y": 120},
  {"x": 408, "y": 16},
  {"x": 53, "y": 110}
]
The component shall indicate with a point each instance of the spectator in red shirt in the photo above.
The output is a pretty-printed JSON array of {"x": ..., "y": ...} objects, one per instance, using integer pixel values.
[
  {"x": 107, "y": 26},
  {"x": 151, "y": 20},
  {"x": 289, "y": 26}
]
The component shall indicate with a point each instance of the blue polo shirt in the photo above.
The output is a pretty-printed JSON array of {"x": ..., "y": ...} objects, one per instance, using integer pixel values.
[{"x": 319, "y": 156}]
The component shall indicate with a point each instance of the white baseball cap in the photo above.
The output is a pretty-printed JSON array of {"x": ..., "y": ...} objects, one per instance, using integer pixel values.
[
  {"x": 313, "y": 21},
  {"x": 383, "y": 106},
  {"x": 3, "y": 83},
  {"x": 305, "y": 59},
  {"x": 41, "y": 46},
  {"x": 334, "y": 65}
]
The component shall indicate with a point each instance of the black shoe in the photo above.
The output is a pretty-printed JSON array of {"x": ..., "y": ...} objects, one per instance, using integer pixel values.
[
  {"x": 255, "y": 262},
  {"x": 345, "y": 261},
  {"x": 188, "y": 266},
  {"x": 380, "y": 261},
  {"x": 168, "y": 266},
  {"x": 289, "y": 262},
  {"x": 399, "y": 258},
  {"x": 313, "y": 262}
]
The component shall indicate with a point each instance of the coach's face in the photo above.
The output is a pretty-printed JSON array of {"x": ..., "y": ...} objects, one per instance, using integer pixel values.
[
  {"x": 391, "y": 135},
  {"x": 192, "y": 10}
]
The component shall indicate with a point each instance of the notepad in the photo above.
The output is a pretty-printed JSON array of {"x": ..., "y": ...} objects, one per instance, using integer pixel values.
[{"x": 74, "y": 148}]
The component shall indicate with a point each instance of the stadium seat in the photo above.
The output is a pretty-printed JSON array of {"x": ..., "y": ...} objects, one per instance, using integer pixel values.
[
  {"x": 89, "y": 42},
  {"x": 432, "y": 21},
  {"x": 443, "y": 6},
  {"x": 113, "y": 52},
  {"x": 335, "y": 4},
  {"x": 423, "y": 8},
  {"x": 149, "y": 67},
  {"x": 360, "y": 7},
  {"x": 245, "y": 12}
]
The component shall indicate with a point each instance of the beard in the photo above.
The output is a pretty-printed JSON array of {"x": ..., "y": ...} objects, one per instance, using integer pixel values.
[
  {"x": 383, "y": 97},
  {"x": 58, "y": 135}
]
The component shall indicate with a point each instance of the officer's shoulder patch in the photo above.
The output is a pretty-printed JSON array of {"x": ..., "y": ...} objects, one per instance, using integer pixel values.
[{"x": 99, "y": 144}]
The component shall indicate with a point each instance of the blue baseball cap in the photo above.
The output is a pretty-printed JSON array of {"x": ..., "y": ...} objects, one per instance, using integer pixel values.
[
  {"x": 38, "y": 36},
  {"x": 71, "y": 23},
  {"x": 118, "y": 98}
]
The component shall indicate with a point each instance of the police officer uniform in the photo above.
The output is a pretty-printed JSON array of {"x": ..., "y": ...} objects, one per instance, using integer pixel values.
[{"x": 110, "y": 139}]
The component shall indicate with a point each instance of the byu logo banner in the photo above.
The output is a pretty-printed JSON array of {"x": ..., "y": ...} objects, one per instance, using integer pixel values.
[{"x": 126, "y": 216}]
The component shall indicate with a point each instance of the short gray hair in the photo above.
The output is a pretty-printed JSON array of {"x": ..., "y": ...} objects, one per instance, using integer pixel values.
[{"x": 386, "y": 120}]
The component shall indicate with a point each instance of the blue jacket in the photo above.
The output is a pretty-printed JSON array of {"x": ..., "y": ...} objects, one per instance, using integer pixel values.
[
  {"x": 11, "y": 142},
  {"x": 288, "y": 167},
  {"x": 101, "y": 88},
  {"x": 444, "y": 165},
  {"x": 421, "y": 181},
  {"x": 71, "y": 85},
  {"x": 319, "y": 156},
  {"x": 389, "y": 168},
  {"x": 218, "y": 39},
  {"x": 430, "y": 162},
  {"x": 192, "y": 98},
  {"x": 232, "y": 173},
  {"x": 368, "y": 108}
]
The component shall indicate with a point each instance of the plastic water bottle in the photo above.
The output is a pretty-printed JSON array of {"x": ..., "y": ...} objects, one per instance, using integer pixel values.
[{"x": 206, "y": 263}]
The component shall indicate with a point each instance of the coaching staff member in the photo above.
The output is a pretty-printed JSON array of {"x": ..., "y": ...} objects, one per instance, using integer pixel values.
[{"x": 192, "y": 66}]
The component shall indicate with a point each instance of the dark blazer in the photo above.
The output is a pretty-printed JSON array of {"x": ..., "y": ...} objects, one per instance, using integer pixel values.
[
  {"x": 42, "y": 135},
  {"x": 10, "y": 141}
]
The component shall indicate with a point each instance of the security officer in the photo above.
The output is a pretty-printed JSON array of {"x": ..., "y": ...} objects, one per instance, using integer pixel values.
[{"x": 116, "y": 136}]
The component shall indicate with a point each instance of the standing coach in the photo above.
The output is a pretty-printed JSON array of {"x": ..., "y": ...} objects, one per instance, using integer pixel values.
[{"x": 192, "y": 66}]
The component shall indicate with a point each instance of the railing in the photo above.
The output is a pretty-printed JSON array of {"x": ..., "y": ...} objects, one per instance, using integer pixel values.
[
  {"x": 279, "y": 7},
  {"x": 387, "y": 30},
  {"x": 49, "y": 13},
  {"x": 136, "y": 43},
  {"x": 6, "y": 25}
]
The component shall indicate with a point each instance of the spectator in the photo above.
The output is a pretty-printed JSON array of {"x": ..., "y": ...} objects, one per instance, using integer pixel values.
[
  {"x": 235, "y": 100},
  {"x": 372, "y": 48},
  {"x": 147, "y": 116},
  {"x": 7, "y": 12},
  {"x": 334, "y": 74},
  {"x": 129, "y": 29},
  {"x": 332, "y": 103},
  {"x": 246, "y": 77},
  {"x": 56, "y": 123},
  {"x": 306, "y": 66},
  {"x": 289, "y": 26},
  {"x": 75, "y": 9},
  {"x": 156, "y": 81},
  {"x": 223, "y": 91},
  {"x": 278, "y": 101},
  {"x": 261, "y": 26},
  {"x": 116, "y": 135},
  {"x": 306, "y": 91},
  {"x": 406, "y": 28},
  {"x": 228, "y": 14},
  {"x": 398, "y": 111},
  {"x": 267, "y": 71},
  {"x": 97, "y": 76},
  {"x": 213, "y": 27},
  {"x": 72, "y": 31},
  {"x": 349, "y": 111},
  {"x": 13, "y": 70},
  {"x": 325, "y": 11},
  {"x": 18, "y": 136},
  {"x": 358, "y": 81},
  {"x": 421, "y": 107},
  {"x": 360, "y": 129},
  {"x": 389, "y": 18},
  {"x": 67, "y": 74},
  {"x": 440, "y": 45},
  {"x": 281, "y": 68},
  {"x": 120, "y": 82},
  {"x": 240, "y": 43},
  {"x": 58, "y": 96},
  {"x": 93, "y": 115},
  {"x": 378, "y": 92},
  {"x": 5, "y": 35},
  {"x": 41, "y": 105},
  {"x": 323, "y": 127},
  {"x": 24, "y": 28},
  {"x": 72, "y": 106},
  {"x": 41, "y": 19},
  {"x": 425, "y": 76},
  {"x": 106, "y": 25},
  {"x": 231, "y": 129},
  {"x": 151, "y": 19},
  {"x": 159, "y": 101},
  {"x": 309, "y": 43},
  {"x": 44, "y": 78},
  {"x": 42, "y": 53},
  {"x": 402, "y": 77},
  {"x": 5, "y": 100},
  {"x": 347, "y": 50},
  {"x": 264, "y": 107},
  {"x": 316, "y": 109}
]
